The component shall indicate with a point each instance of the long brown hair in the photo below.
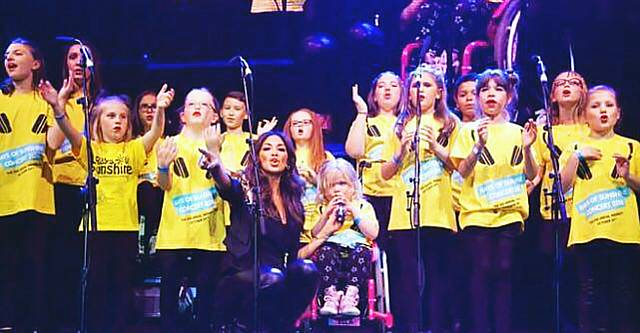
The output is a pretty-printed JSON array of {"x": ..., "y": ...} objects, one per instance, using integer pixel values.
[
  {"x": 316, "y": 143},
  {"x": 8, "y": 86},
  {"x": 95, "y": 84},
  {"x": 442, "y": 113},
  {"x": 374, "y": 110},
  {"x": 291, "y": 185}
]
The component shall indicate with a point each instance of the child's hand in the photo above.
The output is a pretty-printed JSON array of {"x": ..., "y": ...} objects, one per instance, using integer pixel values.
[
  {"x": 213, "y": 138},
  {"x": 622, "y": 165},
  {"x": 167, "y": 152},
  {"x": 164, "y": 97},
  {"x": 265, "y": 126},
  {"x": 530, "y": 133},
  {"x": 361, "y": 105}
]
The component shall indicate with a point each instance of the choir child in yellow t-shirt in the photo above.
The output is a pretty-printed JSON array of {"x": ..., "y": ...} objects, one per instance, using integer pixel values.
[
  {"x": 604, "y": 171},
  {"x": 235, "y": 149},
  {"x": 304, "y": 128},
  {"x": 438, "y": 128},
  {"x": 117, "y": 161},
  {"x": 192, "y": 224},
  {"x": 365, "y": 141},
  {"x": 494, "y": 156},
  {"x": 26, "y": 191}
]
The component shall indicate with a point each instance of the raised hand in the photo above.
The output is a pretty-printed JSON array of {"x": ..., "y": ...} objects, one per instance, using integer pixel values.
[
  {"x": 48, "y": 92},
  {"x": 213, "y": 138},
  {"x": 167, "y": 152},
  {"x": 530, "y": 133},
  {"x": 361, "y": 105},
  {"x": 483, "y": 131},
  {"x": 429, "y": 135},
  {"x": 164, "y": 97},
  {"x": 265, "y": 126}
]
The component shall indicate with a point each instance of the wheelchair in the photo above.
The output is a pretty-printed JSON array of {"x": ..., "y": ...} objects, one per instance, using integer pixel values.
[{"x": 377, "y": 316}]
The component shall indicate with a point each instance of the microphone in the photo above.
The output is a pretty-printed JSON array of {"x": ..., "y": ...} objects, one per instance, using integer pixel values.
[
  {"x": 86, "y": 53},
  {"x": 542, "y": 71},
  {"x": 243, "y": 64},
  {"x": 341, "y": 213}
]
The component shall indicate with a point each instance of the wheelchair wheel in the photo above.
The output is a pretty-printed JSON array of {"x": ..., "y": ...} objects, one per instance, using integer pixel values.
[{"x": 505, "y": 44}]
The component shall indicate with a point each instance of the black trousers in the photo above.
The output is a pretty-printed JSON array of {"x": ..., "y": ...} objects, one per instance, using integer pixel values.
[
  {"x": 608, "y": 278},
  {"x": 111, "y": 280},
  {"x": 382, "y": 207},
  {"x": 204, "y": 267},
  {"x": 282, "y": 296},
  {"x": 23, "y": 294},
  {"x": 65, "y": 255},
  {"x": 491, "y": 250},
  {"x": 406, "y": 276}
]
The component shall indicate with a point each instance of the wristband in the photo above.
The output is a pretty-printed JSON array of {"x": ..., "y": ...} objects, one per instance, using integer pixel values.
[
  {"x": 61, "y": 116},
  {"x": 163, "y": 170},
  {"x": 581, "y": 158},
  {"x": 396, "y": 160},
  {"x": 476, "y": 150}
]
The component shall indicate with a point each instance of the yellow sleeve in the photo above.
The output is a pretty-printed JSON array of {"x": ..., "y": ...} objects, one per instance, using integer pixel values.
[
  {"x": 462, "y": 145},
  {"x": 139, "y": 154},
  {"x": 81, "y": 155},
  {"x": 368, "y": 213},
  {"x": 393, "y": 143}
]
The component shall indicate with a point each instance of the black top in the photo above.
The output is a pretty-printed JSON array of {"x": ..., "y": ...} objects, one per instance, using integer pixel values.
[{"x": 279, "y": 239}]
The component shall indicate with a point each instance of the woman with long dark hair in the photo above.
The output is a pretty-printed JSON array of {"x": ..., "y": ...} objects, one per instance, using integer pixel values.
[
  {"x": 281, "y": 275},
  {"x": 69, "y": 177}
]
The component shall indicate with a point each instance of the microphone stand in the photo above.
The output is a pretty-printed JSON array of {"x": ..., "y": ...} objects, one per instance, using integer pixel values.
[
  {"x": 254, "y": 201},
  {"x": 558, "y": 200},
  {"x": 89, "y": 217}
]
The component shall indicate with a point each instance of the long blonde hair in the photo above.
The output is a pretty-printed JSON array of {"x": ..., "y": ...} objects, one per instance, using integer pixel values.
[
  {"x": 342, "y": 167},
  {"x": 98, "y": 109}
]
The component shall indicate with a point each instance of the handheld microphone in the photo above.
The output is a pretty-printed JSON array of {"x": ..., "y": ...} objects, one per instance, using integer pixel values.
[
  {"x": 341, "y": 214},
  {"x": 542, "y": 71}
]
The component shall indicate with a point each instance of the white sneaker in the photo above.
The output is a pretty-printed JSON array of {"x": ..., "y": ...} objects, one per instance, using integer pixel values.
[
  {"x": 349, "y": 302},
  {"x": 331, "y": 301}
]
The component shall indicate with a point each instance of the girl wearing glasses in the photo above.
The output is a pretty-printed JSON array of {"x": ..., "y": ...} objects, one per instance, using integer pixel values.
[{"x": 304, "y": 128}]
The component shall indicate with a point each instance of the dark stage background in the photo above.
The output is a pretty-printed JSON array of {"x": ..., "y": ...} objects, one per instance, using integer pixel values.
[{"x": 187, "y": 43}]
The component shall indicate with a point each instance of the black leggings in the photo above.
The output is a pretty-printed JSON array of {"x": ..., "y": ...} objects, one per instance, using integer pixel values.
[
  {"x": 491, "y": 250},
  {"x": 23, "y": 294},
  {"x": 66, "y": 255},
  {"x": 405, "y": 292},
  {"x": 282, "y": 297},
  {"x": 174, "y": 266},
  {"x": 382, "y": 207},
  {"x": 150, "y": 200},
  {"x": 110, "y": 285},
  {"x": 608, "y": 286}
]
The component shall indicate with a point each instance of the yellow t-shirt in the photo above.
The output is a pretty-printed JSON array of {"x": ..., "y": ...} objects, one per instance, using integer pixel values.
[
  {"x": 564, "y": 136},
  {"x": 604, "y": 206},
  {"x": 191, "y": 214},
  {"x": 436, "y": 206},
  {"x": 149, "y": 172},
  {"x": 378, "y": 131},
  {"x": 309, "y": 199},
  {"x": 116, "y": 167},
  {"x": 25, "y": 172},
  {"x": 456, "y": 185},
  {"x": 349, "y": 235},
  {"x": 494, "y": 194},
  {"x": 66, "y": 169},
  {"x": 234, "y": 153}
]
